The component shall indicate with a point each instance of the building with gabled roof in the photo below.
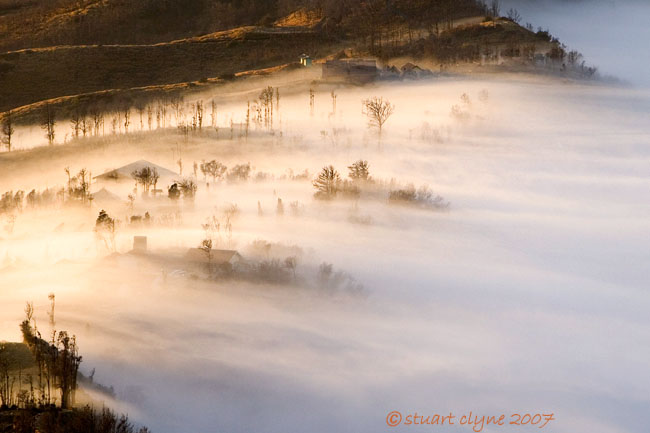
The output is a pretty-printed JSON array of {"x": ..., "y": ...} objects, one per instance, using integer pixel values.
[{"x": 126, "y": 172}]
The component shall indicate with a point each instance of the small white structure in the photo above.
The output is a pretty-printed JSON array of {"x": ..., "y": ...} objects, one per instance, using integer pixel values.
[{"x": 306, "y": 61}]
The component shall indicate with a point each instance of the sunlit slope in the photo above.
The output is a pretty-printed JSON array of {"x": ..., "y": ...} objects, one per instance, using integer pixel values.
[{"x": 29, "y": 76}]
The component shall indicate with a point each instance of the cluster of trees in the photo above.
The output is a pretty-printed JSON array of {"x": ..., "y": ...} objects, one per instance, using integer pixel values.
[
  {"x": 147, "y": 177},
  {"x": 218, "y": 171},
  {"x": 38, "y": 382},
  {"x": 185, "y": 187},
  {"x": 218, "y": 231},
  {"x": 91, "y": 120},
  {"x": 77, "y": 191},
  {"x": 329, "y": 185},
  {"x": 11, "y": 202},
  {"x": 56, "y": 361},
  {"x": 78, "y": 188},
  {"x": 76, "y": 420},
  {"x": 423, "y": 197},
  {"x": 263, "y": 108}
]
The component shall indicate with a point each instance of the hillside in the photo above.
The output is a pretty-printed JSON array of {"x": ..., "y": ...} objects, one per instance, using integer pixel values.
[
  {"x": 462, "y": 31},
  {"x": 43, "y": 23},
  {"x": 33, "y": 75}
]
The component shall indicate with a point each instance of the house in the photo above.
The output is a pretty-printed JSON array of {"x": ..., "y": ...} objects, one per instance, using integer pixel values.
[
  {"x": 125, "y": 172},
  {"x": 305, "y": 60},
  {"x": 222, "y": 259},
  {"x": 357, "y": 71},
  {"x": 105, "y": 197},
  {"x": 390, "y": 73},
  {"x": 140, "y": 244}
]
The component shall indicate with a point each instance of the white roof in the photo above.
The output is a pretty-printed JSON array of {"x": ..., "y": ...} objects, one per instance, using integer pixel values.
[{"x": 126, "y": 171}]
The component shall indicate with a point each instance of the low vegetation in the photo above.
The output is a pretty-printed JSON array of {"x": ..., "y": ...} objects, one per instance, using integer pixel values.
[{"x": 39, "y": 380}]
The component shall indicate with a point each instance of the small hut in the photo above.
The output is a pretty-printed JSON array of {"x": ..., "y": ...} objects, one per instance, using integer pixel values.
[{"x": 306, "y": 61}]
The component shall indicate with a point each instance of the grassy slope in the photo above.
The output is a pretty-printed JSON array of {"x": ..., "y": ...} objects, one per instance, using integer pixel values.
[
  {"x": 28, "y": 76},
  {"x": 105, "y": 72}
]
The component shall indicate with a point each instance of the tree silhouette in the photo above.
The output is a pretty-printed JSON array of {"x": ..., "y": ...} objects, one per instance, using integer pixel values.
[
  {"x": 359, "y": 171},
  {"x": 48, "y": 122},
  {"x": 378, "y": 111},
  {"x": 7, "y": 130},
  {"x": 327, "y": 183},
  {"x": 147, "y": 177},
  {"x": 214, "y": 169}
]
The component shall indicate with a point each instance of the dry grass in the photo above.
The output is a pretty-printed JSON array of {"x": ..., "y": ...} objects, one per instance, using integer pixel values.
[
  {"x": 300, "y": 18},
  {"x": 29, "y": 76}
]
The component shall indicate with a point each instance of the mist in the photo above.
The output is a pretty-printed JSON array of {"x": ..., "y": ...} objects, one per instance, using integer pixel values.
[{"x": 528, "y": 294}]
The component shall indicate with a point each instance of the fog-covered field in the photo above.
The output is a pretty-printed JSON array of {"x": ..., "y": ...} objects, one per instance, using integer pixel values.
[{"x": 527, "y": 294}]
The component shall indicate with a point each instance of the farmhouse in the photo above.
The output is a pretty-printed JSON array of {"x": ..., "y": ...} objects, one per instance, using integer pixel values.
[
  {"x": 223, "y": 259},
  {"x": 105, "y": 197},
  {"x": 350, "y": 70},
  {"x": 139, "y": 245},
  {"x": 125, "y": 172}
]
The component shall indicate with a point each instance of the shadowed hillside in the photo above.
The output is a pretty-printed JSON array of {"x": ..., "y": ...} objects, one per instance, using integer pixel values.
[
  {"x": 33, "y": 75},
  {"x": 107, "y": 45}
]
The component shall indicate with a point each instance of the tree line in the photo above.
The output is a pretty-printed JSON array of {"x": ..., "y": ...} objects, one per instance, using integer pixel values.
[{"x": 39, "y": 380}]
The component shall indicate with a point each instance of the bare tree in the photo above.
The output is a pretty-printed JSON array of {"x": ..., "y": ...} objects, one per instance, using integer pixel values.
[
  {"x": 495, "y": 8},
  {"x": 291, "y": 263},
  {"x": 127, "y": 118},
  {"x": 97, "y": 119},
  {"x": 150, "y": 117},
  {"x": 139, "y": 106},
  {"x": 75, "y": 122},
  {"x": 199, "y": 114},
  {"x": 7, "y": 130},
  {"x": 213, "y": 114},
  {"x": 48, "y": 122},
  {"x": 312, "y": 101},
  {"x": 378, "y": 111},
  {"x": 514, "y": 15},
  {"x": 279, "y": 210},
  {"x": 266, "y": 101},
  {"x": 177, "y": 109}
]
